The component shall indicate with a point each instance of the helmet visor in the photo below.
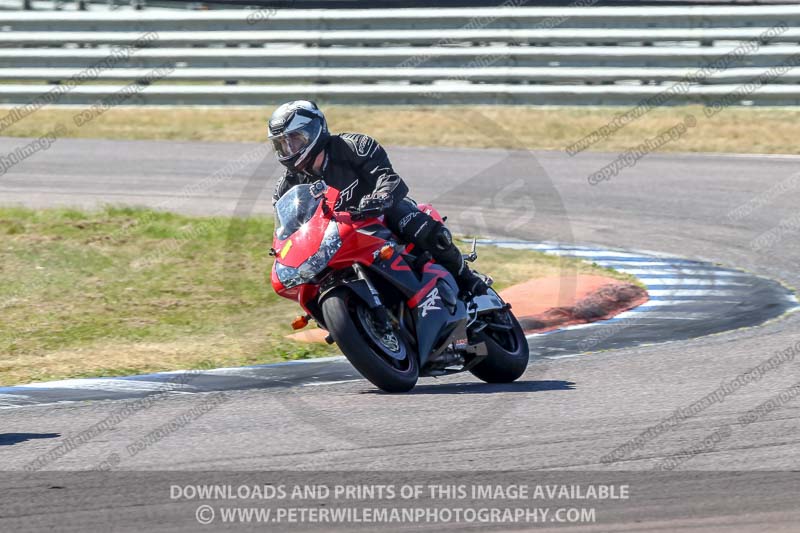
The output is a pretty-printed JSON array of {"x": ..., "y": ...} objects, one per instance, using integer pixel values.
[{"x": 291, "y": 143}]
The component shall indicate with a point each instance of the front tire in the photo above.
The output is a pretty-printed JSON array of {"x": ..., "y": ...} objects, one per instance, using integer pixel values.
[
  {"x": 508, "y": 351},
  {"x": 345, "y": 318}
]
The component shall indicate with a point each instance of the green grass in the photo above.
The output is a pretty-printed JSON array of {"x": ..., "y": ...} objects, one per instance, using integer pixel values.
[
  {"x": 127, "y": 290},
  {"x": 131, "y": 290}
]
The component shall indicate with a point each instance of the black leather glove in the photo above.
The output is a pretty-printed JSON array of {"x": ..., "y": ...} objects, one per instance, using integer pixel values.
[
  {"x": 375, "y": 202},
  {"x": 372, "y": 206}
]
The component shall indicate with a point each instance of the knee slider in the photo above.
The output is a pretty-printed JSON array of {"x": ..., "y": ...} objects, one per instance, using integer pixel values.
[
  {"x": 415, "y": 227},
  {"x": 431, "y": 235},
  {"x": 442, "y": 238}
]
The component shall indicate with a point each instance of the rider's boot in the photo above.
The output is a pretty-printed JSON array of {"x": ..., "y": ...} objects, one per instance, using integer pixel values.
[{"x": 471, "y": 282}]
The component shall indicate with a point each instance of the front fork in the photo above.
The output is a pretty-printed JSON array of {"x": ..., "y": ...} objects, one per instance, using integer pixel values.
[{"x": 383, "y": 320}]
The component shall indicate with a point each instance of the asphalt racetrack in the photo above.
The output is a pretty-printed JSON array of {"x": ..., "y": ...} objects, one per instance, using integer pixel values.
[{"x": 572, "y": 414}]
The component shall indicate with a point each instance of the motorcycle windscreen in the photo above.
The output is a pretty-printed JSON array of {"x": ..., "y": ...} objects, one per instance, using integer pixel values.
[
  {"x": 294, "y": 209},
  {"x": 305, "y": 239}
]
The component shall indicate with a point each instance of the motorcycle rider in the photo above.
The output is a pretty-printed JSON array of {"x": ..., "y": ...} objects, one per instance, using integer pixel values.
[{"x": 358, "y": 166}]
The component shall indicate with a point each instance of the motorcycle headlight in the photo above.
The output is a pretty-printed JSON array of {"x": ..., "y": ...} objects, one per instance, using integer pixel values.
[{"x": 291, "y": 277}]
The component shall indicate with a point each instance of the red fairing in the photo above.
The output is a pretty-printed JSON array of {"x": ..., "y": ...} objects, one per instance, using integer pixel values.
[
  {"x": 356, "y": 247},
  {"x": 307, "y": 293},
  {"x": 302, "y": 293},
  {"x": 430, "y": 210},
  {"x": 295, "y": 250}
]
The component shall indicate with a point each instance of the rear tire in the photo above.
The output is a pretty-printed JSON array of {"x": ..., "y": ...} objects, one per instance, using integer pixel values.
[
  {"x": 340, "y": 310},
  {"x": 508, "y": 353}
]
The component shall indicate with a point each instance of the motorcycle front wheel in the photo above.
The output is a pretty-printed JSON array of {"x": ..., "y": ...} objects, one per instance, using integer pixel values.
[{"x": 384, "y": 359}]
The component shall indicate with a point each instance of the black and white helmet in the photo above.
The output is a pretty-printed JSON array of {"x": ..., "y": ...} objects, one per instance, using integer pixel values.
[{"x": 298, "y": 132}]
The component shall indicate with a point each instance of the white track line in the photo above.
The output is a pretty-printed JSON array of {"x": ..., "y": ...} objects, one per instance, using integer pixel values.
[
  {"x": 321, "y": 383},
  {"x": 691, "y": 281},
  {"x": 666, "y": 303},
  {"x": 681, "y": 273},
  {"x": 689, "y": 292},
  {"x": 595, "y": 253},
  {"x": 619, "y": 265},
  {"x": 109, "y": 384}
]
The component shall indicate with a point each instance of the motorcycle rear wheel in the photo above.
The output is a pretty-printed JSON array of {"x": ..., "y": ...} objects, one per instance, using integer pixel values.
[
  {"x": 508, "y": 351},
  {"x": 346, "y": 324}
]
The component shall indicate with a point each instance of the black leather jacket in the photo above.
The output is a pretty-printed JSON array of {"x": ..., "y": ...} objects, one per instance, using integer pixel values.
[{"x": 356, "y": 165}]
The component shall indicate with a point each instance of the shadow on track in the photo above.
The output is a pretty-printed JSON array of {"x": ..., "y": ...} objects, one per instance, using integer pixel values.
[
  {"x": 10, "y": 439},
  {"x": 487, "y": 388}
]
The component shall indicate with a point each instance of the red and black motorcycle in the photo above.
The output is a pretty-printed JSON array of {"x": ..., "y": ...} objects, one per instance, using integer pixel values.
[{"x": 395, "y": 314}]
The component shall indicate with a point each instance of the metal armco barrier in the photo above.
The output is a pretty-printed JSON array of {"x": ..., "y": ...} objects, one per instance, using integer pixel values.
[{"x": 504, "y": 54}]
